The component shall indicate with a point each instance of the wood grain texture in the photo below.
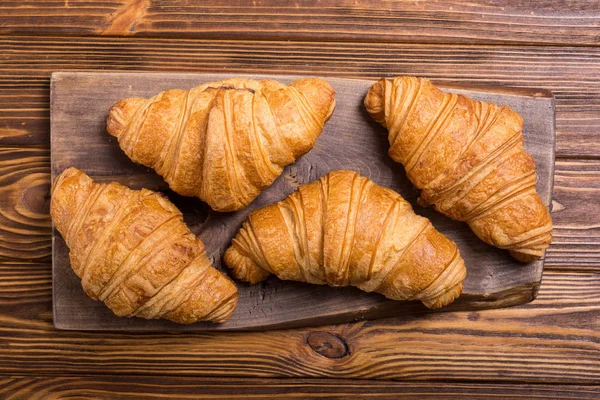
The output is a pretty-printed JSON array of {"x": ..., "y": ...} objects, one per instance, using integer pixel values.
[
  {"x": 556, "y": 338},
  {"x": 576, "y": 234},
  {"x": 350, "y": 140},
  {"x": 24, "y": 204},
  {"x": 438, "y": 21},
  {"x": 569, "y": 72},
  {"x": 124, "y": 387}
]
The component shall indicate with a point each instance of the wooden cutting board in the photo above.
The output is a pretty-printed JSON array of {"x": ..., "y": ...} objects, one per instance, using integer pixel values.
[{"x": 350, "y": 140}]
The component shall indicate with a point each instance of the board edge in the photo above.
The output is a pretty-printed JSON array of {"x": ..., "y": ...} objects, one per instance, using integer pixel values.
[
  {"x": 58, "y": 75},
  {"x": 506, "y": 90}
]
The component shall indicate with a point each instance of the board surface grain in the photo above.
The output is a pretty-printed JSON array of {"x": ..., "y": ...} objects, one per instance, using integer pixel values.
[{"x": 350, "y": 140}]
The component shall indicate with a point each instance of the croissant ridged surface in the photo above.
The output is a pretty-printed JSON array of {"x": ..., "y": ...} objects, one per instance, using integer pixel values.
[
  {"x": 345, "y": 230},
  {"x": 468, "y": 160},
  {"x": 133, "y": 251},
  {"x": 225, "y": 141}
]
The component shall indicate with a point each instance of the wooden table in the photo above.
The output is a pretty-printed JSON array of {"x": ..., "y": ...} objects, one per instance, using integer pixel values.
[{"x": 550, "y": 347}]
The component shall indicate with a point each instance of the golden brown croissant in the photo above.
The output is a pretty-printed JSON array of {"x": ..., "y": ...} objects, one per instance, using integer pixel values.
[
  {"x": 223, "y": 142},
  {"x": 345, "y": 230},
  {"x": 133, "y": 251},
  {"x": 468, "y": 160}
]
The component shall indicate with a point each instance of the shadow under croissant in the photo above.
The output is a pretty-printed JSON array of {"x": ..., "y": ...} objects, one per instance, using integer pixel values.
[
  {"x": 256, "y": 302},
  {"x": 387, "y": 308}
]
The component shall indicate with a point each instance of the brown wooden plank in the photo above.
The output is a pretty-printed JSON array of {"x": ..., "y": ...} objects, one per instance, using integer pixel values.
[
  {"x": 25, "y": 226},
  {"x": 576, "y": 234},
  {"x": 574, "y": 246},
  {"x": 129, "y": 387},
  {"x": 440, "y": 21},
  {"x": 350, "y": 140},
  {"x": 556, "y": 338},
  {"x": 569, "y": 72}
]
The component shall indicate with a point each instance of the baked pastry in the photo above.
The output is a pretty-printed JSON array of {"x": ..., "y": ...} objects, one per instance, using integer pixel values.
[
  {"x": 467, "y": 159},
  {"x": 223, "y": 142},
  {"x": 345, "y": 230},
  {"x": 133, "y": 251}
]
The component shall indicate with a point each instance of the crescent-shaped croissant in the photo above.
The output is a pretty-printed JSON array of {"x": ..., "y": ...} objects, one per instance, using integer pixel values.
[
  {"x": 345, "y": 230},
  {"x": 468, "y": 160},
  {"x": 133, "y": 251},
  {"x": 223, "y": 142}
]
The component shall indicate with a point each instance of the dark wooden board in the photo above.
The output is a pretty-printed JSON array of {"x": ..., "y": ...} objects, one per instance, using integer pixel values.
[{"x": 350, "y": 140}]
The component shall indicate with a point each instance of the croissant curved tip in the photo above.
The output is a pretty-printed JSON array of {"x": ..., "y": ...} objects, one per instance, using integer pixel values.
[
  {"x": 116, "y": 119},
  {"x": 445, "y": 298},
  {"x": 448, "y": 286},
  {"x": 220, "y": 314},
  {"x": 71, "y": 171},
  {"x": 375, "y": 101},
  {"x": 224, "y": 311},
  {"x": 526, "y": 257},
  {"x": 320, "y": 95},
  {"x": 70, "y": 175},
  {"x": 242, "y": 267},
  {"x": 121, "y": 113}
]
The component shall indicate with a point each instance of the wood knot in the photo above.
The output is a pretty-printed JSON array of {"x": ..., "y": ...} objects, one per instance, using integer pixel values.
[
  {"x": 328, "y": 344},
  {"x": 37, "y": 198}
]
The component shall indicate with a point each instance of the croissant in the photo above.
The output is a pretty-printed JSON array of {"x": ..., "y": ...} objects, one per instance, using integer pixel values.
[
  {"x": 223, "y": 142},
  {"x": 345, "y": 230},
  {"x": 132, "y": 251},
  {"x": 468, "y": 160}
]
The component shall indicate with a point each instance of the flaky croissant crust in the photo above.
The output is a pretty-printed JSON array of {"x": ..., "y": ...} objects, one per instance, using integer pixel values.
[
  {"x": 345, "y": 230},
  {"x": 133, "y": 251},
  {"x": 468, "y": 160},
  {"x": 225, "y": 141}
]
